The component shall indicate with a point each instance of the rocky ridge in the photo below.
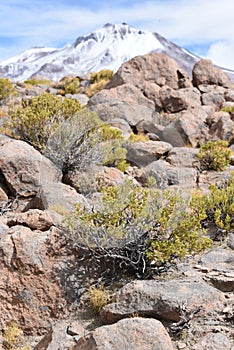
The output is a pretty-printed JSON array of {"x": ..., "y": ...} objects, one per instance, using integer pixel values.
[{"x": 42, "y": 284}]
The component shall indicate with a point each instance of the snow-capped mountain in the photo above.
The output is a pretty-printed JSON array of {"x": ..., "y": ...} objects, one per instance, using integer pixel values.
[{"x": 106, "y": 48}]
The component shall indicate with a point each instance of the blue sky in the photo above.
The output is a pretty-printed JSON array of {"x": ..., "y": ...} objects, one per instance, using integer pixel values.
[{"x": 205, "y": 27}]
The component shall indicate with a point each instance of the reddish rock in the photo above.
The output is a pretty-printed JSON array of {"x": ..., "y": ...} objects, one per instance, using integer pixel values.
[
  {"x": 204, "y": 72},
  {"x": 188, "y": 129},
  {"x": 174, "y": 101},
  {"x": 154, "y": 68},
  {"x": 24, "y": 168},
  {"x": 163, "y": 299},
  {"x": 134, "y": 333},
  {"x": 35, "y": 219},
  {"x": 30, "y": 293},
  {"x": 213, "y": 341}
]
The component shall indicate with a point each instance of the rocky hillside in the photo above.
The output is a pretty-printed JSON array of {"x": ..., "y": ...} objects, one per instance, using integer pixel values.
[{"x": 53, "y": 289}]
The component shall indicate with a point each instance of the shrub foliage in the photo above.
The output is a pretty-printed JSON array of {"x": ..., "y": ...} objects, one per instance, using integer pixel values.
[
  {"x": 137, "y": 228},
  {"x": 215, "y": 155},
  {"x": 35, "y": 120},
  {"x": 6, "y": 89}
]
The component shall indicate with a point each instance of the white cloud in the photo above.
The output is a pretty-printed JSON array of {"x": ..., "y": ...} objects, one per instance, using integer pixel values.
[{"x": 208, "y": 23}]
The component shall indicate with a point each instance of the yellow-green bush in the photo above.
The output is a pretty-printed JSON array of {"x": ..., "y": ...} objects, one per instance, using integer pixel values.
[
  {"x": 95, "y": 87},
  {"x": 98, "y": 298},
  {"x": 37, "y": 81},
  {"x": 6, "y": 89},
  {"x": 14, "y": 338},
  {"x": 104, "y": 74},
  {"x": 35, "y": 120},
  {"x": 229, "y": 109},
  {"x": 215, "y": 155},
  {"x": 220, "y": 205},
  {"x": 138, "y": 138},
  {"x": 114, "y": 152},
  {"x": 138, "y": 227},
  {"x": 98, "y": 81}
]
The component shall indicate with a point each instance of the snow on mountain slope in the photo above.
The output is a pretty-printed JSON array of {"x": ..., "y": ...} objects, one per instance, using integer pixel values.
[{"x": 106, "y": 48}]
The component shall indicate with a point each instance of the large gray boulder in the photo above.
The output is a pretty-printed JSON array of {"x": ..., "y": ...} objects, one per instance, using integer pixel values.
[
  {"x": 134, "y": 333},
  {"x": 163, "y": 299}
]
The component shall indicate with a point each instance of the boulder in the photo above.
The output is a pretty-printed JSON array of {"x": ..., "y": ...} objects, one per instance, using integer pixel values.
[
  {"x": 124, "y": 102},
  {"x": 57, "y": 197},
  {"x": 174, "y": 101},
  {"x": 215, "y": 97},
  {"x": 213, "y": 341},
  {"x": 154, "y": 68},
  {"x": 144, "y": 153},
  {"x": 223, "y": 128},
  {"x": 205, "y": 73},
  {"x": 29, "y": 290},
  {"x": 35, "y": 219},
  {"x": 206, "y": 178},
  {"x": 165, "y": 300},
  {"x": 134, "y": 333},
  {"x": 188, "y": 129},
  {"x": 25, "y": 169},
  {"x": 62, "y": 335},
  {"x": 95, "y": 179},
  {"x": 183, "y": 157},
  {"x": 167, "y": 175}
]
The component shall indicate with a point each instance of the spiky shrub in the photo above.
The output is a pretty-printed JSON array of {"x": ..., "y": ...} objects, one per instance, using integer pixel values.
[
  {"x": 98, "y": 298},
  {"x": 215, "y": 155},
  {"x": 75, "y": 144},
  {"x": 35, "y": 120},
  {"x": 71, "y": 86},
  {"x": 83, "y": 141},
  {"x": 6, "y": 89},
  {"x": 104, "y": 74},
  {"x": 98, "y": 81},
  {"x": 137, "y": 226}
]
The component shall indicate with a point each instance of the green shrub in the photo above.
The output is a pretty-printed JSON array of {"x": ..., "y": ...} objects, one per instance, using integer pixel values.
[
  {"x": 36, "y": 81},
  {"x": 14, "y": 339},
  {"x": 36, "y": 119},
  {"x": 71, "y": 86},
  {"x": 136, "y": 227},
  {"x": 104, "y": 74},
  {"x": 229, "y": 109},
  {"x": 138, "y": 138},
  {"x": 98, "y": 81},
  {"x": 215, "y": 155},
  {"x": 113, "y": 146},
  {"x": 220, "y": 205},
  {"x": 98, "y": 298},
  {"x": 6, "y": 89}
]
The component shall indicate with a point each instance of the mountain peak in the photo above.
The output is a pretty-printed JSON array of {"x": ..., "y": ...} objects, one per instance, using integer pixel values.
[{"x": 105, "y": 48}]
